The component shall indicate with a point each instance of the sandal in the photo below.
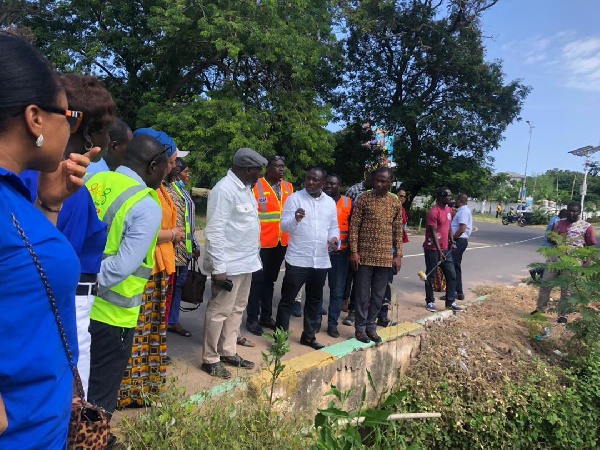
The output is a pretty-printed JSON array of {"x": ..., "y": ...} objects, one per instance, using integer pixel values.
[
  {"x": 245, "y": 342},
  {"x": 177, "y": 328}
]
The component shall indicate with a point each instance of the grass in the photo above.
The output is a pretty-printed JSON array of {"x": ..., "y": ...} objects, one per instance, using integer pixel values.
[{"x": 172, "y": 422}]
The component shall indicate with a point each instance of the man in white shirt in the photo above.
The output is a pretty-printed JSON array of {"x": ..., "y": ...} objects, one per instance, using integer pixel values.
[
  {"x": 231, "y": 254},
  {"x": 310, "y": 218},
  {"x": 461, "y": 226}
]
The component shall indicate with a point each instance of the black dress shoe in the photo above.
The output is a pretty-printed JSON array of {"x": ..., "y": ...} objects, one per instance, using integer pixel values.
[
  {"x": 254, "y": 328},
  {"x": 312, "y": 344},
  {"x": 237, "y": 361},
  {"x": 333, "y": 332},
  {"x": 216, "y": 370},
  {"x": 374, "y": 336},
  {"x": 267, "y": 323},
  {"x": 362, "y": 337}
]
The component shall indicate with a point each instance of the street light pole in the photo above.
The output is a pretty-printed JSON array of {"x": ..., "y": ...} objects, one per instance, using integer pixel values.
[
  {"x": 585, "y": 151},
  {"x": 523, "y": 194}
]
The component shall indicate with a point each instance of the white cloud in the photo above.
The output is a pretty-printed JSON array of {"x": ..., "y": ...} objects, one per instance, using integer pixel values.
[
  {"x": 532, "y": 59},
  {"x": 580, "y": 61}
]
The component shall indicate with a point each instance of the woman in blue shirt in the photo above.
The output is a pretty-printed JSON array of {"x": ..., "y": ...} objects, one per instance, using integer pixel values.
[
  {"x": 77, "y": 219},
  {"x": 35, "y": 124}
]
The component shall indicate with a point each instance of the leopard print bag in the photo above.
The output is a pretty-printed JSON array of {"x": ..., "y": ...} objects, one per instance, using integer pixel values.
[{"x": 89, "y": 426}]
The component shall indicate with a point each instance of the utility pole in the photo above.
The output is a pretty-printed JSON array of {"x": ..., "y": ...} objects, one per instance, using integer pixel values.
[{"x": 523, "y": 192}]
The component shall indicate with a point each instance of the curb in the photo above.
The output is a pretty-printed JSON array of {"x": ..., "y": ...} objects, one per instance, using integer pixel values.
[{"x": 298, "y": 367}]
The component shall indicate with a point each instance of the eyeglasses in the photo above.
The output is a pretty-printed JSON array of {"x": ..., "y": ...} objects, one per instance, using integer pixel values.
[
  {"x": 73, "y": 117},
  {"x": 278, "y": 158},
  {"x": 155, "y": 157},
  {"x": 402, "y": 196},
  {"x": 446, "y": 194}
]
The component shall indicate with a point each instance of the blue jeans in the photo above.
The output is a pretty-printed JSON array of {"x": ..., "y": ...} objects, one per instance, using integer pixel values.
[
  {"x": 457, "y": 254},
  {"x": 180, "y": 276},
  {"x": 337, "y": 281},
  {"x": 431, "y": 259}
]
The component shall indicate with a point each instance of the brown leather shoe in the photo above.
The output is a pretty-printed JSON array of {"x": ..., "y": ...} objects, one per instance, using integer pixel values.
[
  {"x": 374, "y": 336},
  {"x": 362, "y": 337},
  {"x": 345, "y": 304}
]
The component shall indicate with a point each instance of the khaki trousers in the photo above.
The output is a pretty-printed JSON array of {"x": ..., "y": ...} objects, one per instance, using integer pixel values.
[
  {"x": 224, "y": 317},
  {"x": 544, "y": 295}
]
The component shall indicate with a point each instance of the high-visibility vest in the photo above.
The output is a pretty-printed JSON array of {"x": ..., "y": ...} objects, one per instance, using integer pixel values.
[
  {"x": 269, "y": 212},
  {"x": 187, "y": 218},
  {"x": 344, "y": 207},
  {"x": 114, "y": 194}
]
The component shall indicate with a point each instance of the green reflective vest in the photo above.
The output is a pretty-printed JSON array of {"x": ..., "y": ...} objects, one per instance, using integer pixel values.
[
  {"x": 114, "y": 194},
  {"x": 188, "y": 233}
]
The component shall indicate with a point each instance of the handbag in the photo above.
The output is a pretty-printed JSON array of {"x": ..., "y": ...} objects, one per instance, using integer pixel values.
[
  {"x": 89, "y": 425},
  {"x": 193, "y": 287}
]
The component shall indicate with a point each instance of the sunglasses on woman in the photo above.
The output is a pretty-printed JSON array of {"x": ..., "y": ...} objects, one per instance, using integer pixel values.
[{"x": 73, "y": 117}]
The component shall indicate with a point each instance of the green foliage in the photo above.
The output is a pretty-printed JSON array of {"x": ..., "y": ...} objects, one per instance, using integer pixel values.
[
  {"x": 353, "y": 155},
  {"x": 538, "y": 216},
  {"x": 583, "y": 282},
  {"x": 172, "y": 422},
  {"x": 563, "y": 186},
  {"x": 417, "y": 69},
  {"x": 272, "y": 358},
  {"x": 216, "y": 75},
  {"x": 337, "y": 428},
  {"x": 544, "y": 410}
]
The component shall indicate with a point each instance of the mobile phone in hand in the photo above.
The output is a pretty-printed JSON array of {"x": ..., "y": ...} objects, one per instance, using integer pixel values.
[{"x": 227, "y": 285}]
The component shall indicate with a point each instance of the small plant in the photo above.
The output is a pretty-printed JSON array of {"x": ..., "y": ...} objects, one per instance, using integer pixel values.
[
  {"x": 582, "y": 281},
  {"x": 272, "y": 358},
  {"x": 337, "y": 428}
]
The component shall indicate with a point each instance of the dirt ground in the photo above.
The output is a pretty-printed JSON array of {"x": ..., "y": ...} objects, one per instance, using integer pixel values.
[{"x": 489, "y": 340}]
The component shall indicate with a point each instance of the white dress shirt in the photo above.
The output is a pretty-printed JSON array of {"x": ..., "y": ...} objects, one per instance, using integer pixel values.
[
  {"x": 232, "y": 233},
  {"x": 463, "y": 217},
  {"x": 307, "y": 245}
]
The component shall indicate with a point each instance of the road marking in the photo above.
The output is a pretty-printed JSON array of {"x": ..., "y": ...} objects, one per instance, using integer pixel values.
[{"x": 488, "y": 246}]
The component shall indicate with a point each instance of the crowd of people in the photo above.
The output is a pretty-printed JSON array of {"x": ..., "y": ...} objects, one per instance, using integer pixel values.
[{"x": 96, "y": 254}]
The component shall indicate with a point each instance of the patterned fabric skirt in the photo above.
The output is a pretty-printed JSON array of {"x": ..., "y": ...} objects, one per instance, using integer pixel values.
[
  {"x": 146, "y": 369},
  {"x": 439, "y": 285}
]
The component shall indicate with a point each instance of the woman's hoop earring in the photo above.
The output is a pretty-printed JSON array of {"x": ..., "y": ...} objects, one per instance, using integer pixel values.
[
  {"x": 88, "y": 145},
  {"x": 40, "y": 140}
]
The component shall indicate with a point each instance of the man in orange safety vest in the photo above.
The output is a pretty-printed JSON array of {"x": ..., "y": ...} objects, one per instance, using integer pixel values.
[
  {"x": 270, "y": 192},
  {"x": 338, "y": 257}
]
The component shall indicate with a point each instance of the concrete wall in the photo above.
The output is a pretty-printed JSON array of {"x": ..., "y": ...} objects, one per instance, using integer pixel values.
[{"x": 308, "y": 377}]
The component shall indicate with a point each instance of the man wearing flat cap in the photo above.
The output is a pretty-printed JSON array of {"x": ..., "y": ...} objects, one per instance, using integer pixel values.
[{"x": 230, "y": 256}]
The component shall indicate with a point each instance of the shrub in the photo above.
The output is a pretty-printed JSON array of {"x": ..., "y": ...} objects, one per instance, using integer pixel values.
[
  {"x": 172, "y": 422},
  {"x": 538, "y": 216}
]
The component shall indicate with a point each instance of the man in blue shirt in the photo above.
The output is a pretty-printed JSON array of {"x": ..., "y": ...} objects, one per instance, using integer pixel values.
[
  {"x": 461, "y": 226},
  {"x": 561, "y": 215}
]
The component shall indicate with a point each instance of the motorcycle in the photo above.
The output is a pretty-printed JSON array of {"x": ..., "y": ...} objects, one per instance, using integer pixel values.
[{"x": 512, "y": 218}]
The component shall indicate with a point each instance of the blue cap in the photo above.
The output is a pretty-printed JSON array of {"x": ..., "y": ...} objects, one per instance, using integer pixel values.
[{"x": 161, "y": 137}]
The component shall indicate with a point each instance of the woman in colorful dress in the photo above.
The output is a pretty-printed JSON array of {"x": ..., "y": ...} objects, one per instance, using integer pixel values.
[{"x": 186, "y": 249}]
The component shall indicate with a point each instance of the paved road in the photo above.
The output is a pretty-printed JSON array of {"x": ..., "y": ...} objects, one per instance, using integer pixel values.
[{"x": 496, "y": 254}]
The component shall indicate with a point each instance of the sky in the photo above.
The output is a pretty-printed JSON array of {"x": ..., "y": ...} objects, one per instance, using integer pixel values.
[{"x": 554, "y": 47}]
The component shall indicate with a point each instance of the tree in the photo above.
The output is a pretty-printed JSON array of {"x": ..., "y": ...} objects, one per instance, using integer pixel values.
[
  {"x": 563, "y": 186},
  {"x": 353, "y": 153},
  {"x": 420, "y": 71},
  {"x": 260, "y": 65}
]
